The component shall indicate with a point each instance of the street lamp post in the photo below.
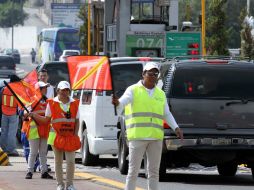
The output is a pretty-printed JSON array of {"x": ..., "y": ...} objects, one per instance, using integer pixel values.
[
  {"x": 248, "y": 7},
  {"x": 12, "y": 27}
]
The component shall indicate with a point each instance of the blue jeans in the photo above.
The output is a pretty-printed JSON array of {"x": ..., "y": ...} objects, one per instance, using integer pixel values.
[{"x": 9, "y": 127}]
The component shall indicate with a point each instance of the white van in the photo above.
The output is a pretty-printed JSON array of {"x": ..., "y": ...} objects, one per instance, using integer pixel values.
[{"x": 98, "y": 131}]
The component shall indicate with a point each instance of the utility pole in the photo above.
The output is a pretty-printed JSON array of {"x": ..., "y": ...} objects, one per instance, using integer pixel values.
[
  {"x": 88, "y": 28},
  {"x": 12, "y": 27},
  {"x": 248, "y": 7}
]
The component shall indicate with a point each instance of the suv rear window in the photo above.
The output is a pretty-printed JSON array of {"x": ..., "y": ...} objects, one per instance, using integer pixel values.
[
  {"x": 205, "y": 82},
  {"x": 56, "y": 72},
  {"x": 125, "y": 75}
]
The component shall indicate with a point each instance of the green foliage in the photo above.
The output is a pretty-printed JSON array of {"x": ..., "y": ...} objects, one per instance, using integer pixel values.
[
  {"x": 83, "y": 31},
  {"x": 12, "y": 13},
  {"x": 217, "y": 32},
  {"x": 189, "y": 11},
  {"x": 247, "y": 40}
]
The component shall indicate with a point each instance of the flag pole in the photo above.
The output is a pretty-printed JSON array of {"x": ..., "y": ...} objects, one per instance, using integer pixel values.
[
  {"x": 15, "y": 95},
  {"x": 112, "y": 84}
]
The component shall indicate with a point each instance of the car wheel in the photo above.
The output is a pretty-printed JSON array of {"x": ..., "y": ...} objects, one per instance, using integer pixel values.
[
  {"x": 123, "y": 163},
  {"x": 88, "y": 159},
  {"x": 163, "y": 168},
  {"x": 252, "y": 171},
  {"x": 227, "y": 169}
]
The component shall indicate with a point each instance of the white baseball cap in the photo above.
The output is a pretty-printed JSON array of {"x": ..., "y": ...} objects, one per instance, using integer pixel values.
[
  {"x": 151, "y": 65},
  {"x": 63, "y": 85},
  {"x": 42, "y": 84}
]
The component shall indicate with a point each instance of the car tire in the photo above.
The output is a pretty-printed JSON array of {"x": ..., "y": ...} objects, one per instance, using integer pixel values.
[
  {"x": 227, "y": 169},
  {"x": 88, "y": 159},
  {"x": 163, "y": 168},
  {"x": 123, "y": 163},
  {"x": 252, "y": 171}
]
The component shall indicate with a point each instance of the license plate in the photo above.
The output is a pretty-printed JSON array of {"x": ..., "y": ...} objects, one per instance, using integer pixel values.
[{"x": 221, "y": 141}]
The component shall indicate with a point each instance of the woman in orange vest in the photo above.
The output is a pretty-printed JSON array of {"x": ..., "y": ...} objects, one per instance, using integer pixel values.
[
  {"x": 9, "y": 122},
  {"x": 37, "y": 136},
  {"x": 62, "y": 112}
]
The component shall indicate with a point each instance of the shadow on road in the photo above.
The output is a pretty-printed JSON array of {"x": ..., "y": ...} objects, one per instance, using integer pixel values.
[
  {"x": 205, "y": 179},
  {"x": 103, "y": 162}
]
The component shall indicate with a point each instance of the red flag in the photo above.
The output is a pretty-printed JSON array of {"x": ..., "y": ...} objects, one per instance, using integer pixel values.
[
  {"x": 27, "y": 90},
  {"x": 89, "y": 72}
]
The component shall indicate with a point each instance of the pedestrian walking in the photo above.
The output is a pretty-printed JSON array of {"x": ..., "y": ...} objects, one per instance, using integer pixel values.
[
  {"x": 9, "y": 121},
  {"x": 37, "y": 136},
  {"x": 33, "y": 55},
  {"x": 63, "y": 114},
  {"x": 145, "y": 109},
  {"x": 43, "y": 76}
]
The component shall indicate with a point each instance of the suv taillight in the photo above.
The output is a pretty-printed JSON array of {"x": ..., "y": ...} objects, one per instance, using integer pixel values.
[
  {"x": 165, "y": 125},
  {"x": 144, "y": 59}
]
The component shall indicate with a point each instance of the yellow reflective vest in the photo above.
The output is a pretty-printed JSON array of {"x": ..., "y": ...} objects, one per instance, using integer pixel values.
[{"x": 144, "y": 116}]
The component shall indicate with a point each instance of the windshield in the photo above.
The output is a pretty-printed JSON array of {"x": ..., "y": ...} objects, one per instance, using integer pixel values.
[
  {"x": 125, "y": 75},
  {"x": 214, "y": 82},
  {"x": 66, "y": 36},
  {"x": 71, "y": 53}
]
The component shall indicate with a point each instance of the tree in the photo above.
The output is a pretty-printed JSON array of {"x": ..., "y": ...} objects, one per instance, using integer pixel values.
[
  {"x": 233, "y": 9},
  {"x": 189, "y": 11},
  {"x": 247, "y": 40},
  {"x": 217, "y": 33},
  {"x": 12, "y": 13},
  {"x": 83, "y": 29}
]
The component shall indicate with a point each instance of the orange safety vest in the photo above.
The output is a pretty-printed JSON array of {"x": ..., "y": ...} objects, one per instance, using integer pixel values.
[
  {"x": 64, "y": 127},
  {"x": 9, "y": 102},
  {"x": 43, "y": 130}
]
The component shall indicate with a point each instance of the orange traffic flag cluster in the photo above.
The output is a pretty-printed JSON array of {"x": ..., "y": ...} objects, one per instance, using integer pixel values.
[{"x": 27, "y": 90}]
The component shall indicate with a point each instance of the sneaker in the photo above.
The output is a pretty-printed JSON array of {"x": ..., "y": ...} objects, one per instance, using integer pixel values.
[
  {"x": 29, "y": 175},
  {"x": 60, "y": 187},
  {"x": 70, "y": 187},
  {"x": 46, "y": 175}
]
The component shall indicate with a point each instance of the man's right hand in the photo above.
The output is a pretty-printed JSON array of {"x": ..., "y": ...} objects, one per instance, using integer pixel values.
[{"x": 115, "y": 100}]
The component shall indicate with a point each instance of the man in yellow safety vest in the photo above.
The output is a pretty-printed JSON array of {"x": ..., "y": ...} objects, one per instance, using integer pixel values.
[{"x": 145, "y": 109}]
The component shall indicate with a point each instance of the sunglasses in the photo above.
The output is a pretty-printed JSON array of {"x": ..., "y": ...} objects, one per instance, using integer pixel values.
[{"x": 152, "y": 74}]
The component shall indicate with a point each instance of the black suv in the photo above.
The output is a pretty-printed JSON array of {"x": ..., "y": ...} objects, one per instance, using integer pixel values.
[{"x": 212, "y": 101}]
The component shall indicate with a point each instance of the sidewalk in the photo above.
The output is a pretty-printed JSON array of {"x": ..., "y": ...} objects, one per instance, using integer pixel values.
[{"x": 13, "y": 177}]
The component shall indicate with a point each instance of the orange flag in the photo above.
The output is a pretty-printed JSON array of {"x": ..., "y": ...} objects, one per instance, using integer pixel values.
[
  {"x": 27, "y": 90},
  {"x": 89, "y": 72}
]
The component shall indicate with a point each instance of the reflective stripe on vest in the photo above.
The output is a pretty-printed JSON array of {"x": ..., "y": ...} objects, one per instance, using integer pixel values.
[
  {"x": 52, "y": 136},
  {"x": 9, "y": 103},
  {"x": 33, "y": 131},
  {"x": 63, "y": 120},
  {"x": 144, "y": 116},
  {"x": 11, "y": 100}
]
